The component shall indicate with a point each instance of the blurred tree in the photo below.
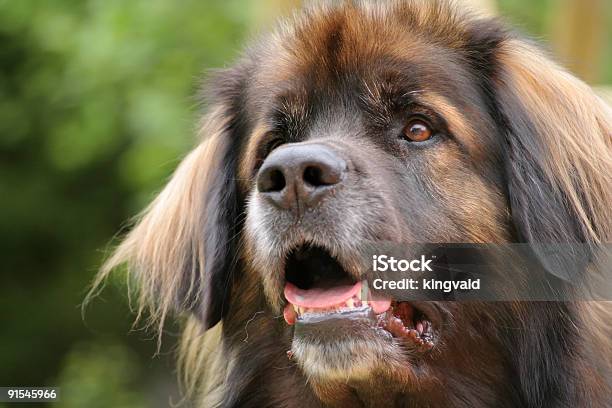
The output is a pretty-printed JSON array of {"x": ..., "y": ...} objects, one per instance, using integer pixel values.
[
  {"x": 100, "y": 375},
  {"x": 269, "y": 10},
  {"x": 96, "y": 107},
  {"x": 579, "y": 32},
  {"x": 578, "y": 36}
]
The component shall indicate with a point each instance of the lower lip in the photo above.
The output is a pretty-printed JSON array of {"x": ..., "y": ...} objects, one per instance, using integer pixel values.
[
  {"x": 342, "y": 299},
  {"x": 418, "y": 335}
]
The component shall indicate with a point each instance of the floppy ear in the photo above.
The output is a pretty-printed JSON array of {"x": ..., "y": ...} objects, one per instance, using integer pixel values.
[
  {"x": 179, "y": 252},
  {"x": 558, "y": 162},
  {"x": 558, "y": 155}
]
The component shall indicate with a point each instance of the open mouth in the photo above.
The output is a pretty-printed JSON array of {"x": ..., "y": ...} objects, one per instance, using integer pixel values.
[{"x": 318, "y": 288}]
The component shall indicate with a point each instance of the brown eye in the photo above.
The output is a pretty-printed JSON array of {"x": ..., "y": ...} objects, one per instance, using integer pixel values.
[{"x": 417, "y": 131}]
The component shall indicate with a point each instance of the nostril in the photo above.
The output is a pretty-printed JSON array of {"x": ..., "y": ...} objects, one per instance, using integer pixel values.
[
  {"x": 321, "y": 175},
  {"x": 277, "y": 180},
  {"x": 271, "y": 180},
  {"x": 313, "y": 176}
]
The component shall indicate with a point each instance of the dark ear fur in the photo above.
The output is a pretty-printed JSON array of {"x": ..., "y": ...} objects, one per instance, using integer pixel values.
[
  {"x": 220, "y": 237},
  {"x": 180, "y": 254},
  {"x": 556, "y": 141},
  {"x": 558, "y": 159}
]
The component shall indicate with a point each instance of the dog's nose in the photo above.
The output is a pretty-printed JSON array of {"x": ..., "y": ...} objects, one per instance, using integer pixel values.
[{"x": 298, "y": 175}]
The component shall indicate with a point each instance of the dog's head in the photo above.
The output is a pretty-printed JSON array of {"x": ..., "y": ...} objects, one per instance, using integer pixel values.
[{"x": 399, "y": 123}]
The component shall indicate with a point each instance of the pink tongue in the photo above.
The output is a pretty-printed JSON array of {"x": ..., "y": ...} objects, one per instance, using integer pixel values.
[
  {"x": 320, "y": 298},
  {"x": 380, "y": 306}
]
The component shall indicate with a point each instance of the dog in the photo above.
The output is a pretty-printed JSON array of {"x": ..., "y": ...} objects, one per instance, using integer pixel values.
[{"x": 403, "y": 122}]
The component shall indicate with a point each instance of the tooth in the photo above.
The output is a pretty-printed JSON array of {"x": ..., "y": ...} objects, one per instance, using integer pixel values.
[
  {"x": 297, "y": 309},
  {"x": 301, "y": 310},
  {"x": 350, "y": 303},
  {"x": 419, "y": 327},
  {"x": 363, "y": 293}
]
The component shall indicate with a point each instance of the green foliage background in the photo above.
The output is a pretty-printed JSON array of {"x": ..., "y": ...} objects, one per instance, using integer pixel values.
[{"x": 96, "y": 108}]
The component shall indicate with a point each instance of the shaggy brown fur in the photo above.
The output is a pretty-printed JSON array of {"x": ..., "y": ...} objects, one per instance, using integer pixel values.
[{"x": 521, "y": 154}]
